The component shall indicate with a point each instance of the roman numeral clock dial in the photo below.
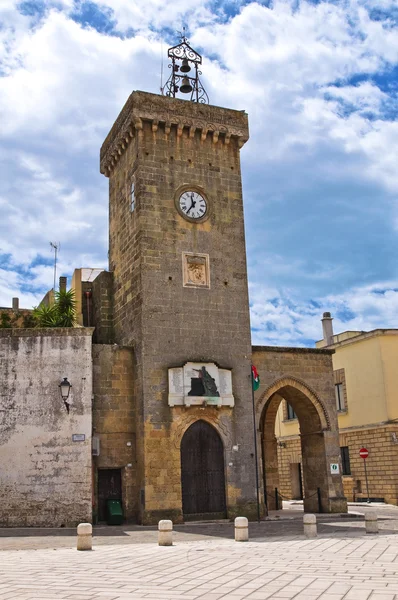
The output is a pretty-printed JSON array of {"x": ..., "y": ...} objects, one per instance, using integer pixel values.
[{"x": 192, "y": 205}]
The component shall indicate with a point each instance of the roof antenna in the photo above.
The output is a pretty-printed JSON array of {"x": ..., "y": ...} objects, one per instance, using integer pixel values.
[
  {"x": 55, "y": 246},
  {"x": 161, "y": 66}
]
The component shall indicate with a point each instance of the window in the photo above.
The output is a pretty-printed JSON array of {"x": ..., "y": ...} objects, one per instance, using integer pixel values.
[
  {"x": 340, "y": 404},
  {"x": 132, "y": 196},
  {"x": 290, "y": 412},
  {"x": 340, "y": 390},
  {"x": 345, "y": 460}
]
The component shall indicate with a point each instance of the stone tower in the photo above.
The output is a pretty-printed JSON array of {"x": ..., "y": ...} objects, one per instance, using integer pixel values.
[{"x": 177, "y": 254}]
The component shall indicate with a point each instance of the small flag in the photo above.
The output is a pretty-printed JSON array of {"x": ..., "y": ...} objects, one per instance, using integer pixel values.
[{"x": 255, "y": 378}]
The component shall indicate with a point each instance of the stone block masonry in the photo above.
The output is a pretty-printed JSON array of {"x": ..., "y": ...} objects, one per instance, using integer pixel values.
[
  {"x": 45, "y": 476},
  {"x": 162, "y": 146},
  {"x": 304, "y": 378},
  {"x": 381, "y": 463},
  {"x": 114, "y": 419}
]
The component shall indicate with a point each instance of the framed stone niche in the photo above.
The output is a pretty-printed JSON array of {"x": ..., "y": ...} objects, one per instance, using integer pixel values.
[
  {"x": 200, "y": 384},
  {"x": 195, "y": 270}
]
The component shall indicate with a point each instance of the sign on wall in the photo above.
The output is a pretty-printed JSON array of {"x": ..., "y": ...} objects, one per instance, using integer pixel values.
[{"x": 335, "y": 468}]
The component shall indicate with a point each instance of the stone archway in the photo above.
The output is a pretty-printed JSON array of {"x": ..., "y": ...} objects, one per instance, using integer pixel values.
[{"x": 319, "y": 445}]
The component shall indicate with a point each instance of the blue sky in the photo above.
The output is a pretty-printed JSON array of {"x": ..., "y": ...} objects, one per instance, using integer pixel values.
[{"x": 320, "y": 179}]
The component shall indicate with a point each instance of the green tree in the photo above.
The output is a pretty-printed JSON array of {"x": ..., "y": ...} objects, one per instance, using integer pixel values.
[{"x": 60, "y": 314}]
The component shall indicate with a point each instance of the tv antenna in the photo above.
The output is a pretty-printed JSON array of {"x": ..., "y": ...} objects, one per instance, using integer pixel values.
[
  {"x": 56, "y": 247},
  {"x": 161, "y": 66}
]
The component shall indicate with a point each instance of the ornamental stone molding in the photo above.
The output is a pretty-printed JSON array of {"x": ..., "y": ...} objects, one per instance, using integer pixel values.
[
  {"x": 221, "y": 124},
  {"x": 186, "y": 420},
  {"x": 304, "y": 389}
]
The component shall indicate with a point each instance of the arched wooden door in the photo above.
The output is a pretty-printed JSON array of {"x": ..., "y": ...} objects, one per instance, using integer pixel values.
[{"x": 202, "y": 473}]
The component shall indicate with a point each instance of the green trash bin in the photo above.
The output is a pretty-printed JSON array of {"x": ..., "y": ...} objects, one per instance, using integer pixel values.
[{"x": 114, "y": 512}]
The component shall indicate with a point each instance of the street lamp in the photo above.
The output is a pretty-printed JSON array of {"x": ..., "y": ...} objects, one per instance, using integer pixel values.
[{"x": 64, "y": 387}]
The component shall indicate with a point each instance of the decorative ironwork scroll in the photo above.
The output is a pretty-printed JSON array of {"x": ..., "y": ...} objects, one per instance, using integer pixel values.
[{"x": 185, "y": 72}]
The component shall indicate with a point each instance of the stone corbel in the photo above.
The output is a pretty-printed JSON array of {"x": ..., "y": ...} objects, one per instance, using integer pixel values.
[
  {"x": 167, "y": 127},
  {"x": 180, "y": 128},
  {"x": 204, "y": 134},
  {"x": 138, "y": 123},
  {"x": 241, "y": 141},
  {"x": 139, "y": 127},
  {"x": 227, "y": 138},
  {"x": 215, "y": 136},
  {"x": 155, "y": 125}
]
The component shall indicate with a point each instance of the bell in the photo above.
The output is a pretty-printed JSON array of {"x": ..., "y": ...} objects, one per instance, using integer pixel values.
[
  {"x": 186, "y": 86},
  {"x": 185, "y": 68}
]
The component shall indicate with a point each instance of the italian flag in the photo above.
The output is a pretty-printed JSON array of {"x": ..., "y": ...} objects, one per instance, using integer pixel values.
[{"x": 255, "y": 378}]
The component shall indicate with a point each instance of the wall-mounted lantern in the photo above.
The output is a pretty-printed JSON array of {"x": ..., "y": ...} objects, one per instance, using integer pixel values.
[{"x": 64, "y": 387}]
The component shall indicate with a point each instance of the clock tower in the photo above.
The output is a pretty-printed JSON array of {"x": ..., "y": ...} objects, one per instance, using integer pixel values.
[{"x": 178, "y": 258}]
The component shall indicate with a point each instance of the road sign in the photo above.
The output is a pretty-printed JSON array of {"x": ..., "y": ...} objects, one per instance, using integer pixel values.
[
  {"x": 363, "y": 453},
  {"x": 334, "y": 468}
]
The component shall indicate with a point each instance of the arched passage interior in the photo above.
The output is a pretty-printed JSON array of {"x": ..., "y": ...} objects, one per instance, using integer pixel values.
[
  {"x": 202, "y": 473},
  {"x": 313, "y": 423}
]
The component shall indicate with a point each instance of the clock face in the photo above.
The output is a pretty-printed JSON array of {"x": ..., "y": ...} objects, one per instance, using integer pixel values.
[{"x": 193, "y": 205}]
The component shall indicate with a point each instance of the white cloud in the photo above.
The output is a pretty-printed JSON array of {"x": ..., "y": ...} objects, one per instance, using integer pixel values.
[
  {"x": 281, "y": 318},
  {"x": 289, "y": 66}
]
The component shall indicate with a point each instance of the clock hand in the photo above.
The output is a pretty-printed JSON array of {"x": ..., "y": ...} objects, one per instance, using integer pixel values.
[{"x": 192, "y": 205}]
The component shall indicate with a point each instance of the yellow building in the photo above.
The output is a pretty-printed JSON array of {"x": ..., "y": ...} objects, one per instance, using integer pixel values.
[{"x": 366, "y": 387}]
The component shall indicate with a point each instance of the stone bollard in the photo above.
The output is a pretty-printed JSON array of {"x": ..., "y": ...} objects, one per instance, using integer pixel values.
[
  {"x": 165, "y": 535},
  {"x": 371, "y": 523},
  {"x": 310, "y": 526},
  {"x": 85, "y": 536},
  {"x": 241, "y": 529}
]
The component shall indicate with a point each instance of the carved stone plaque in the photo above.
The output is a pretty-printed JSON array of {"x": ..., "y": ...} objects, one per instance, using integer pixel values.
[
  {"x": 202, "y": 384},
  {"x": 196, "y": 271}
]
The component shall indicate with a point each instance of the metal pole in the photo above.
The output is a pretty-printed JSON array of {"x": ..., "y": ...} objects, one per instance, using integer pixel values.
[
  {"x": 276, "y": 499},
  {"x": 366, "y": 479},
  {"x": 55, "y": 265},
  {"x": 255, "y": 447}
]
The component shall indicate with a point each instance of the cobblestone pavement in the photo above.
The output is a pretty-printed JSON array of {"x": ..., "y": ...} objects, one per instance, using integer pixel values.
[{"x": 204, "y": 562}]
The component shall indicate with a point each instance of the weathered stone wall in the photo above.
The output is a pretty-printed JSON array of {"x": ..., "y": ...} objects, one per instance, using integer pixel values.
[
  {"x": 163, "y": 144},
  {"x": 45, "y": 477},
  {"x": 114, "y": 418},
  {"x": 102, "y": 308},
  {"x": 21, "y": 317},
  {"x": 288, "y": 454}
]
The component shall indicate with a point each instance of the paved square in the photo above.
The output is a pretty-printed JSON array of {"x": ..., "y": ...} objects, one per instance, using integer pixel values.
[
  {"x": 351, "y": 567},
  {"x": 342, "y": 563}
]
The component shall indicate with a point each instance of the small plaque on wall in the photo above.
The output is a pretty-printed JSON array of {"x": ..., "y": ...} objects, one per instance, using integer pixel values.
[
  {"x": 195, "y": 270},
  {"x": 78, "y": 437}
]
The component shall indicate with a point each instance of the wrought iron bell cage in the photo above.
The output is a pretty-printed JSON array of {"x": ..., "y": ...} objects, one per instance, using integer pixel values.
[{"x": 184, "y": 77}]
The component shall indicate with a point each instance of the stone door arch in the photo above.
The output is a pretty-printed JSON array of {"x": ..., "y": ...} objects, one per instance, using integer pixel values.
[{"x": 319, "y": 445}]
